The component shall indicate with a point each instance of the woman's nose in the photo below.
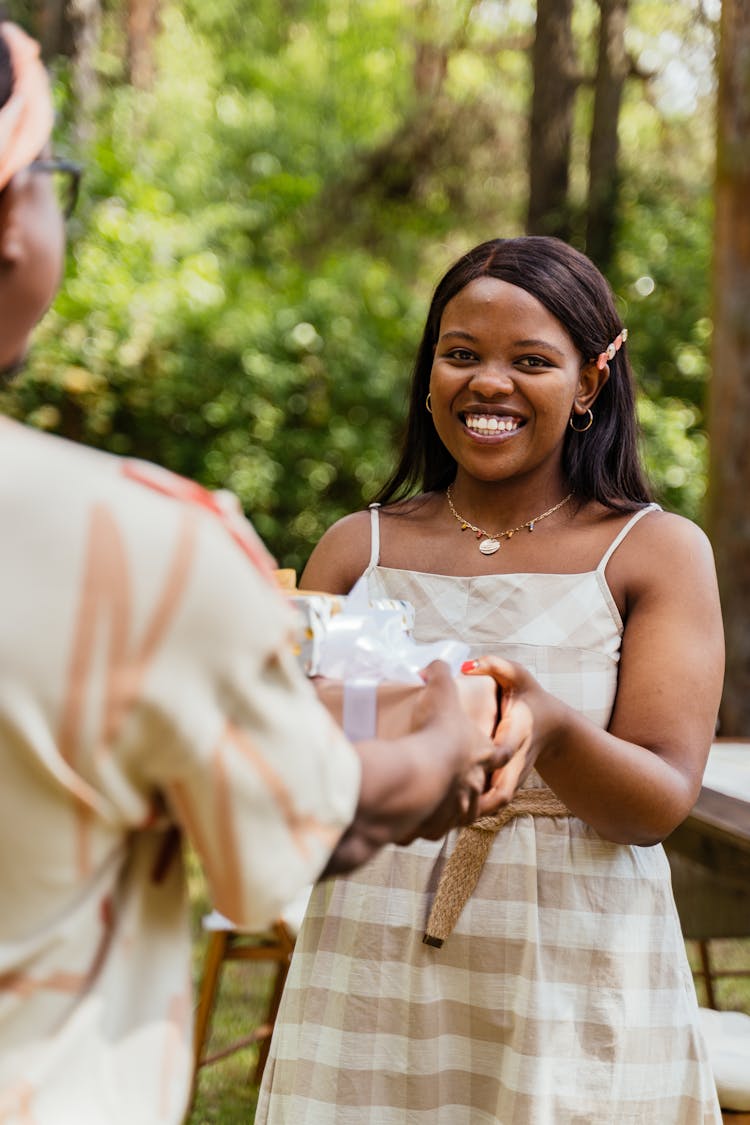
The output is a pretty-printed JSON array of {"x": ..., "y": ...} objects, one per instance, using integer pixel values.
[{"x": 490, "y": 379}]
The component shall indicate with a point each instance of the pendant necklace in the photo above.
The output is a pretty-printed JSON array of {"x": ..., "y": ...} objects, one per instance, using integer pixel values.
[{"x": 490, "y": 541}]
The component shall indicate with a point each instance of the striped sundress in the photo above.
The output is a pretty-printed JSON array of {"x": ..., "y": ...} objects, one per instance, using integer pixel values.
[{"x": 563, "y": 994}]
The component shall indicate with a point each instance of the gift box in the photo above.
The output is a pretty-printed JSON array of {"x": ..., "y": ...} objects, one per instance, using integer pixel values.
[
  {"x": 332, "y": 624},
  {"x": 366, "y": 665},
  {"x": 389, "y": 710}
]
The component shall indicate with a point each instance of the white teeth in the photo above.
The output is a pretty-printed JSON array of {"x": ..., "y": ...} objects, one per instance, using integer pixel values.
[{"x": 490, "y": 423}]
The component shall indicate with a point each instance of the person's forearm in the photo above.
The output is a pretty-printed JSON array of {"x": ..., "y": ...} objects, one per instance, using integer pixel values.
[
  {"x": 627, "y": 793},
  {"x": 402, "y": 783}
]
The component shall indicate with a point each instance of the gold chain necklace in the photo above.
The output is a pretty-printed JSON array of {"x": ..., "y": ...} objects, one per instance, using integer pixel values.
[{"x": 491, "y": 540}]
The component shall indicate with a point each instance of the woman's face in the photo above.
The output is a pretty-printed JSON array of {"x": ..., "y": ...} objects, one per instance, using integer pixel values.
[
  {"x": 504, "y": 378},
  {"x": 32, "y": 248}
]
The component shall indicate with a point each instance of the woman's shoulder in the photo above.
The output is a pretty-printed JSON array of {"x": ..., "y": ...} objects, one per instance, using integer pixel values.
[
  {"x": 647, "y": 524},
  {"x": 661, "y": 549},
  {"x": 346, "y": 549},
  {"x": 661, "y": 531},
  {"x": 340, "y": 556}
]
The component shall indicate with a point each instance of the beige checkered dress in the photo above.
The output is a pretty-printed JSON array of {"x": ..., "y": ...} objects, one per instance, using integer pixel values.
[{"x": 563, "y": 994}]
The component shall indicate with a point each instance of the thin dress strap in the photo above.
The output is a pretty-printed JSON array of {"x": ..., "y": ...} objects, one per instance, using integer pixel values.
[
  {"x": 619, "y": 538},
  {"x": 374, "y": 538}
]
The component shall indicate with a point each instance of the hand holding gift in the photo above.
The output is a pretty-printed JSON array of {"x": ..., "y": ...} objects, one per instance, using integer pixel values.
[
  {"x": 475, "y": 700},
  {"x": 426, "y": 779},
  {"x": 379, "y": 684},
  {"x": 526, "y": 725}
]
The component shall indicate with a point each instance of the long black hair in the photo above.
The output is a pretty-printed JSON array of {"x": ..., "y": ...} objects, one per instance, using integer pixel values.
[
  {"x": 6, "y": 68},
  {"x": 601, "y": 464}
]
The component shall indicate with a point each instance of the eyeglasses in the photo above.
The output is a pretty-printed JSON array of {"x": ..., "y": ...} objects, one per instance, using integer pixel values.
[
  {"x": 8, "y": 374},
  {"x": 66, "y": 179}
]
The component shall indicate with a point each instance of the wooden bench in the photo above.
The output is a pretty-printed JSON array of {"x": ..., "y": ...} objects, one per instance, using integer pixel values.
[{"x": 710, "y": 858}]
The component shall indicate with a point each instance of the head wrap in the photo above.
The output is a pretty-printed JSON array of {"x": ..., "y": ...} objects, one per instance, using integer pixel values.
[{"x": 26, "y": 118}]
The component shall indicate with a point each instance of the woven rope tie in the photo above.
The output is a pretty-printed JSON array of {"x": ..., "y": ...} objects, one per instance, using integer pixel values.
[{"x": 461, "y": 873}]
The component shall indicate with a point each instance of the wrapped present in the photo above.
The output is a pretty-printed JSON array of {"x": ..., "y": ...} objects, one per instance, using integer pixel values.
[
  {"x": 286, "y": 578},
  {"x": 348, "y": 636},
  {"x": 333, "y": 627},
  {"x": 315, "y": 613},
  {"x": 388, "y": 710},
  {"x": 366, "y": 665}
]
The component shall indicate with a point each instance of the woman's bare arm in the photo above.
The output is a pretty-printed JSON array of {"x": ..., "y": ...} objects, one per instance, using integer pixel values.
[{"x": 636, "y": 781}]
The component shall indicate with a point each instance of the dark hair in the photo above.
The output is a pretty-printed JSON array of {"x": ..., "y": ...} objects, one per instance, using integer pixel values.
[
  {"x": 6, "y": 70},
  {"x": 603, "y": 463},
  {"x": 7, "y": 76}
]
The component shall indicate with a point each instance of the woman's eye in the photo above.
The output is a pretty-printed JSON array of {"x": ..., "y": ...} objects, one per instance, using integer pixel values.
[
  {"x": 533, "y": 361},
  {"x": 461, "y": 354}
]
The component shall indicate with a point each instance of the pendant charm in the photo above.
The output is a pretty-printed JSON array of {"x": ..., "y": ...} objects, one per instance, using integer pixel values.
[{"x": 489, "y": 546}]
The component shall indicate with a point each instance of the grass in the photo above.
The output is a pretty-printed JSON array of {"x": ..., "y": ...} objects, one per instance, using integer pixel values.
[{"x": 225, "y": 1091}]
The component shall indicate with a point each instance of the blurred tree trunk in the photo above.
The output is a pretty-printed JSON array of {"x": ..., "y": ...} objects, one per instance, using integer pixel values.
[
  {"x": 555, "y": 82},
  {"x": 53, "y": 28},
  {"x": 84, "y": 17},
  {"x": 613, "y": 67},
  {"x": 71, "y": 28},
  {"x": 143, "y": 25},
  {"x": 729, "y": 392}
]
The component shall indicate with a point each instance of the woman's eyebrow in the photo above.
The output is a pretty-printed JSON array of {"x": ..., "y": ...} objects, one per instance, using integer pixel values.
[
  {"x": 544, "y": 344},
  {"x": 462, "y": 335}
]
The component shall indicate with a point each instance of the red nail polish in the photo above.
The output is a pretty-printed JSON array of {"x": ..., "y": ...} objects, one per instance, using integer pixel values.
[{"x": 469, "y": 665}]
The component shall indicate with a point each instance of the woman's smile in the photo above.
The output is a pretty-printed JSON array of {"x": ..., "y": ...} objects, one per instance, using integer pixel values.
[{"x": 490, "y": 426}]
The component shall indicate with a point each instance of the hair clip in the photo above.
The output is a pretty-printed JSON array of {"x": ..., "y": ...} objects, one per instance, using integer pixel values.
[{"x": 610, "y": 352}]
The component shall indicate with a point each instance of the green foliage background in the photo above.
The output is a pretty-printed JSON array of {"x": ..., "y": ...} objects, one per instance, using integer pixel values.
[{"x": 260, "y": 232}]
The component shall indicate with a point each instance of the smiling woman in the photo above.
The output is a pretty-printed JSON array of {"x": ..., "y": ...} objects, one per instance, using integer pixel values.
[{"x": 530, "y": 968}]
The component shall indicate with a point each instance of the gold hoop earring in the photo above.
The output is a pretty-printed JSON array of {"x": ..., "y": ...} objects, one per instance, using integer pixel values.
[
  {"x": 428, "y": 404},
  {"x": 582, "y": 429}
]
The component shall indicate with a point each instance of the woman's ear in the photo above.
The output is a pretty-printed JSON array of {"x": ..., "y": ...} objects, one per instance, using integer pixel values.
[{"x": 590, "y": 381}]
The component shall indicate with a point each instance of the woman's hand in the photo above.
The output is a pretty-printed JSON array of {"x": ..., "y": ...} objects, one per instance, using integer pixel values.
[
  {"x": 462, "y": 715},
  {"x": 423, "y": 783},
  {"x": 525, "y": 726}
]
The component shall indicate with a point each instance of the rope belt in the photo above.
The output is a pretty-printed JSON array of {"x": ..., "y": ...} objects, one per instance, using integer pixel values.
[{"x": 461, "y": 873}]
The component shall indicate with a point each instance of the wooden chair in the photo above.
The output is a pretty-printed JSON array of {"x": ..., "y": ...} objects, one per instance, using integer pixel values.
[{"x": 274, "y": 946}]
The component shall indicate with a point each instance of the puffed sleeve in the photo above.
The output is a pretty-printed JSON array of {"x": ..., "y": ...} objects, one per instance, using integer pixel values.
[{"x": 252, "y": 766}]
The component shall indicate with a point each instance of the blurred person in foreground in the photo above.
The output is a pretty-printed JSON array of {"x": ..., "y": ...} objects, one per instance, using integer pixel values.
[{"x": 148, "y": 687}]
